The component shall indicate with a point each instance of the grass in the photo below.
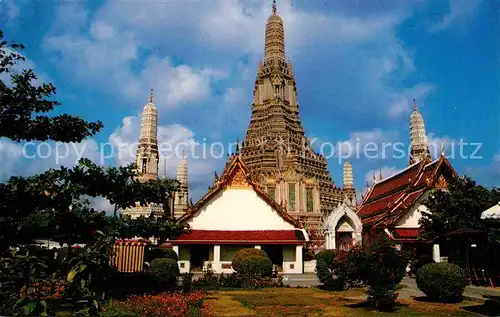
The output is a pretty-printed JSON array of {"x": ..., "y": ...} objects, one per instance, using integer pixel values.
[{"x": 314, "y": 302}]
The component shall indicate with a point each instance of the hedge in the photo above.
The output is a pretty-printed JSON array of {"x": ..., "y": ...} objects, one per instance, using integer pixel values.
[
  {"x": 256, "y": 265},
  {"x": 165, "y": 272},
  {"x": 443, "y": 281},
  {"x": 243, "y": 253}
]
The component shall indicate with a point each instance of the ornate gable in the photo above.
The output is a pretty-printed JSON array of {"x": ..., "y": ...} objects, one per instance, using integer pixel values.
[
  {"x": 390, "y": 199},
  {"x": 235, "y": 175}
]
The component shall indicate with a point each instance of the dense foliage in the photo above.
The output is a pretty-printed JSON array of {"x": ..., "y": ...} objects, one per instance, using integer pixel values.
[
  {"x": 243, "y": 253},
  {"x": 442, "y": 281},
  {"x": 209, "y": 280},
  {"x": 380, "y": 267},
  {"x": 55, "y": 206},
  {"x": 256, "y": 266},
  {"x": 332, "y": 269},
  {"x": 165, "y": 272},
  {"x": 458, "y": 207}
]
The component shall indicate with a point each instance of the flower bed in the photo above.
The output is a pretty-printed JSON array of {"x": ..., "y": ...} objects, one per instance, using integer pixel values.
[{"x": 163, "y": 304}]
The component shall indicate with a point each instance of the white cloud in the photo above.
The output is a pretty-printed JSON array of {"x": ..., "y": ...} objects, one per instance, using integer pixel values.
[
  {"x": 106, "y": 57},
  {"x": 174, "y": 141},
  {"x": 402, "y": 103},
  {"x": 459, "y": 11},
  {"x": 366, "y": 51}
]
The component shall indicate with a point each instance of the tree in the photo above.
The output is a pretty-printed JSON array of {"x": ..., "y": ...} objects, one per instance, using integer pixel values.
[
  {"x": 22, "y": 104},
  {"x": 50, "y": 205},
  {"x": 460, "y": 206}
]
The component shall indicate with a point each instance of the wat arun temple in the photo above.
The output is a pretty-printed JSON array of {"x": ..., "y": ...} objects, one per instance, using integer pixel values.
[{"x": 275, "y": 150}]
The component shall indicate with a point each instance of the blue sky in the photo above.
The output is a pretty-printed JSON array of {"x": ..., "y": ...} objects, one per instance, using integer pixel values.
[{"x": 358, "y": 65}]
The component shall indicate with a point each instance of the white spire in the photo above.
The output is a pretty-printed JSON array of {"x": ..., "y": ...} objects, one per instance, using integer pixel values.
[
  {"x": 147, "y": 152},
  {"x": 348, "y": 177},
  {"x": 418, "y": 137},
  {"x": 182, "y": 171}
]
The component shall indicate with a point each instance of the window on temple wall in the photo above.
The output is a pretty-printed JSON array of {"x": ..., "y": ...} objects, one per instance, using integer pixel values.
[
  {"x": 144, "y": 162},
  {"x": 291, "y": 197},
  {"x": 309, "y": 199},
  {"x": 271, "y": 191}
]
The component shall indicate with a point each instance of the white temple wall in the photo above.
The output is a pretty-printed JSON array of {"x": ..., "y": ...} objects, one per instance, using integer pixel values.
[{"x": 251, "y": 213}]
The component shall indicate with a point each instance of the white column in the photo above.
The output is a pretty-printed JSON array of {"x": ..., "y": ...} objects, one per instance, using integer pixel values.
[
  {"x": 299, "y": 268},
  {"x": 216, "y": 265},
  {"x": 333, "y": 239},
  {"x": 257, "y": 247},
  {"x": 176, "y": 249},
  {"x": 436, "y": 254}
]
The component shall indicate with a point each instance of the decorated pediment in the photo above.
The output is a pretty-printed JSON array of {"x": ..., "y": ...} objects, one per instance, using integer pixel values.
[{"x": 238, "y": 179}]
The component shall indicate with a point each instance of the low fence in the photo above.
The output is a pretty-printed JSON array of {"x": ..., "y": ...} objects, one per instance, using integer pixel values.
[{"x": 129, "y": 255}]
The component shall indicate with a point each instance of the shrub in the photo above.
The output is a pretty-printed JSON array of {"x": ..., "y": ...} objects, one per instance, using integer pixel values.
[
  {"x": 243, "y": 253},
  {"x": 381, "y": 267},
  {"x": 418, "y": 263},
  {"x": 155, "y": 253},
  {"x": 442, "y": 281},
  {"x": 256, "y": 266},
  {"x": 323, "y": 272},
  {"x": 327, "y": 256},
  {"x": 332, "y": 269},
  {"x": 187, "y": 282},
  {"x": 165, "y": 272}
]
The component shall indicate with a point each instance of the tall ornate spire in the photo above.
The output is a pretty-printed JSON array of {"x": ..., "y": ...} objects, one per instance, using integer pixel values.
[
  {"x": 347, "y": 175},
  {"x": 275, "y": 37},
  {"x": 276, "y": 150},
  {"x": 181, "y": 196},
  {"x": 418, "y": 138},
  {"x": 147, "y": 151}
]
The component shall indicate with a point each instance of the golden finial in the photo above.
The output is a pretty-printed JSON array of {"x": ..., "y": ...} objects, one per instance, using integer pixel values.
[
  {"x": 442, "y": 147},
  {"x": 414, "y": 105},
  {"x": 274, "y": 7},
  {"x": 151, "y": 96}
]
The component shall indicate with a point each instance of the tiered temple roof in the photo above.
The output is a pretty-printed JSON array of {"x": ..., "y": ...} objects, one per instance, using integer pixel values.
[{"x": 389, "y": 199}]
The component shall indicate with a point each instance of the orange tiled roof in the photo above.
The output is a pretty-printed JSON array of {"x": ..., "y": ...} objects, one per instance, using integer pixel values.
[
  {"x": 389, "y": 199},
  {"x": 241, "y": 237}
]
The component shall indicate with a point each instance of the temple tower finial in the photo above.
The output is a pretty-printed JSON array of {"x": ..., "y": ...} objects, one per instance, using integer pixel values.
[
  {"x": 418, "y": 137},
  {"x": 151, "y": 95},
  {"x": 414, "y": 105},
  {"x": 275, "y": 37}
]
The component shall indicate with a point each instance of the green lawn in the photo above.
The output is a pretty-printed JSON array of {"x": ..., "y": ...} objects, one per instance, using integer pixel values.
[{"x": 313, "y": 302}]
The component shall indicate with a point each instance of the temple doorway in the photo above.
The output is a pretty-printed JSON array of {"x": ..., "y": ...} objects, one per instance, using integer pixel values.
[
  {"x": 199, "y": 254},
  {"x": 275, "y": 253}
]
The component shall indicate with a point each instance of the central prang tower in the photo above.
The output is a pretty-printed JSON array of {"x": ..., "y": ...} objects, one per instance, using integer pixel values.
[{"x": 276, "y": 150}]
